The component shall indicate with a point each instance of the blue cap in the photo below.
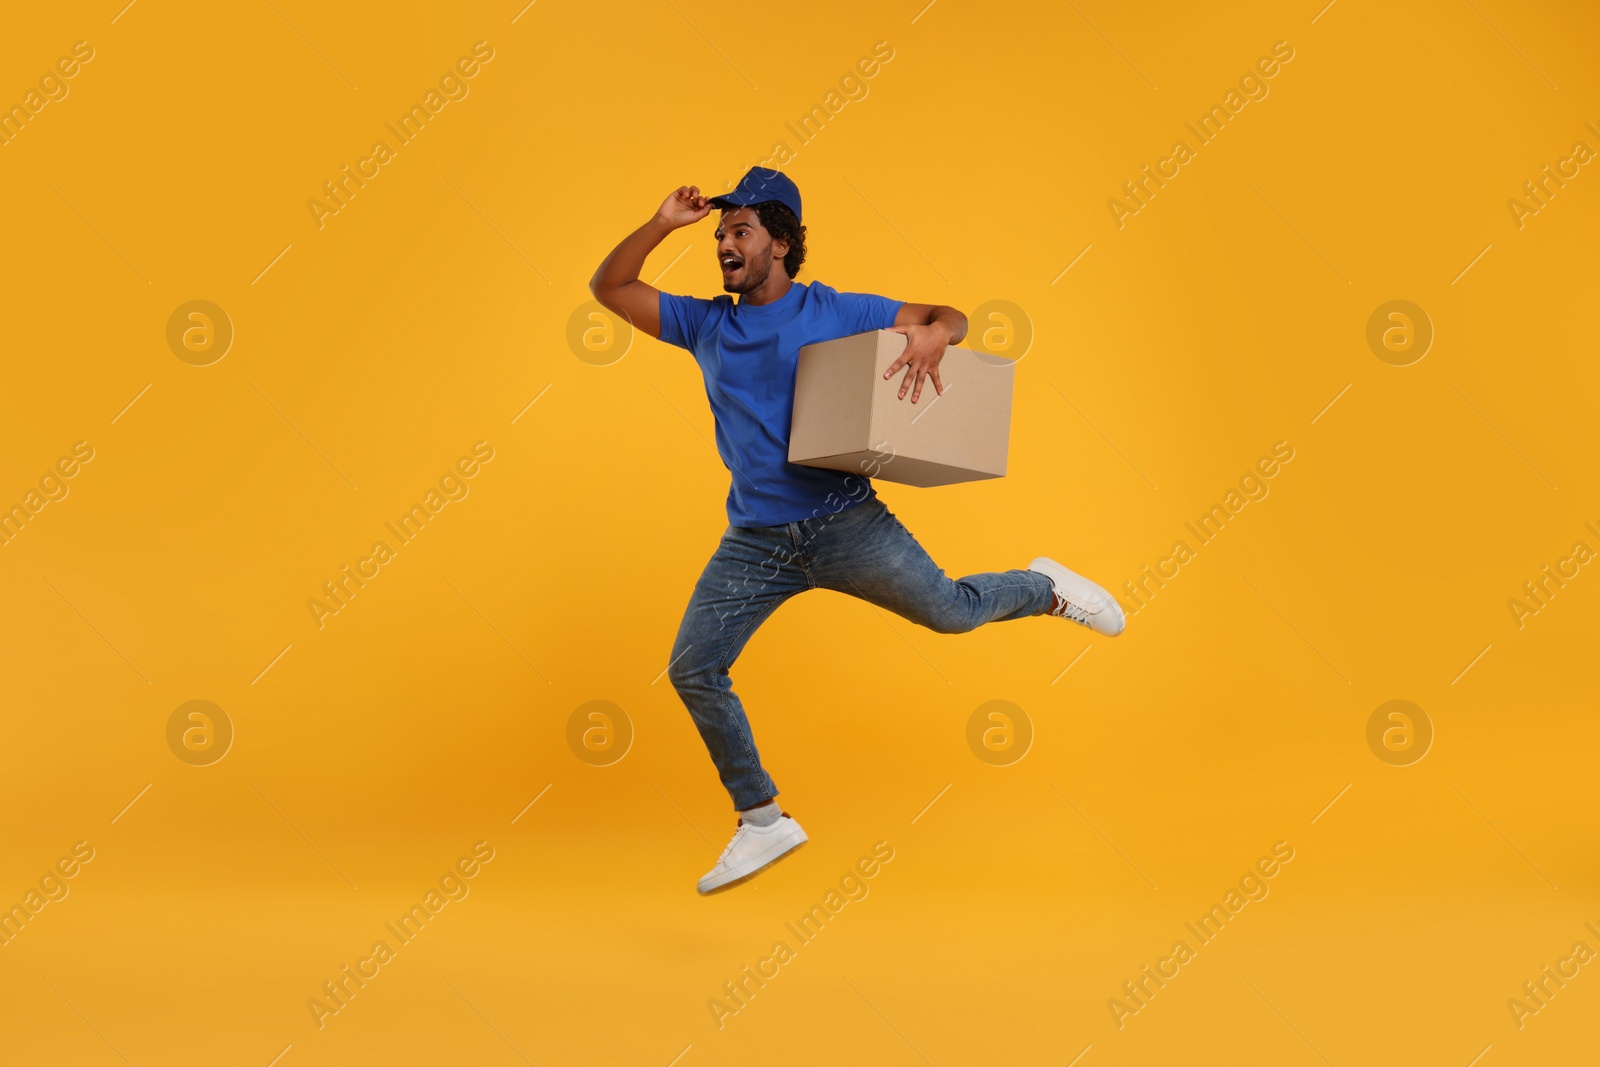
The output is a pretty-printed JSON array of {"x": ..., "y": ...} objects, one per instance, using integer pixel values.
[{"x": 760, "y": 185}]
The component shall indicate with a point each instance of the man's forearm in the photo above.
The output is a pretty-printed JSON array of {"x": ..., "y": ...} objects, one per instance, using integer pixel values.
[
  {"x": 627, "y": 259},
  {"x": 951, "y": 319}
]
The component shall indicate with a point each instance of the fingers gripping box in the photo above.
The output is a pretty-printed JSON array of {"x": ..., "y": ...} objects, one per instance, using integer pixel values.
[{"x": 847, "y": 417}]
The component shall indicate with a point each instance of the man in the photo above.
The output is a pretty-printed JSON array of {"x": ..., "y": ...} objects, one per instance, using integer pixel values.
[{"x": 794, "y": 528}]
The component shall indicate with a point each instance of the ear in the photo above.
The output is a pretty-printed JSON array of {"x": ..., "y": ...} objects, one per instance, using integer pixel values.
[{"x": 780, "y": 248}]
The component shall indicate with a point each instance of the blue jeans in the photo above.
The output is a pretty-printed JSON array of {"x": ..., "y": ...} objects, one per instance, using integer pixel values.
[{"x": 862, "y": 550}]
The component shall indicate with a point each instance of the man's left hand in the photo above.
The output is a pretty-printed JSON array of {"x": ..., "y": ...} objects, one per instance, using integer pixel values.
[{"x": 925, "y": 347}]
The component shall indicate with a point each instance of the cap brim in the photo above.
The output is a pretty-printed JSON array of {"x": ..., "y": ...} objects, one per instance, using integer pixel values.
[{"x": 747, "y": 200}]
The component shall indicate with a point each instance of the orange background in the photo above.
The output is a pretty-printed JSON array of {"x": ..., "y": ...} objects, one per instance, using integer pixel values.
[{"x": 370, "y": 354}]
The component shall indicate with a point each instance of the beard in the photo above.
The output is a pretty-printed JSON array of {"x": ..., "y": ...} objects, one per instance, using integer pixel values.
[{"x": 753, "y": 275}]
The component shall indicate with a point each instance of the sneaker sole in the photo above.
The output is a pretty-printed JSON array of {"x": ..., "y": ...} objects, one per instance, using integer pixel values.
[{"x": 785, "y": 846}]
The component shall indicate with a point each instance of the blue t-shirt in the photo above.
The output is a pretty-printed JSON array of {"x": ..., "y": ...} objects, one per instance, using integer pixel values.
[{"x": 748, "y": 356}]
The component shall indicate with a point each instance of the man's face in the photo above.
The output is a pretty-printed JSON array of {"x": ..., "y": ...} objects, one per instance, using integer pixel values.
[{"x": 746, "y": 251}]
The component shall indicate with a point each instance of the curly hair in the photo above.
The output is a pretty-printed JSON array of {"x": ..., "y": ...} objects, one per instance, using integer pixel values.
[{"x": 781, "y": 224}]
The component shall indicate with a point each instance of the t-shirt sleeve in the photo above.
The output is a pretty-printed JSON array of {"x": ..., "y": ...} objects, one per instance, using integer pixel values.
[
  {"x": 863, "y": 312},
  {"x": 681, "y": 319}
]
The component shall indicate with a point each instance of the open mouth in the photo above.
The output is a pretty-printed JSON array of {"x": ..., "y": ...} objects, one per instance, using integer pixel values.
[{"x": 731, "y": 264}]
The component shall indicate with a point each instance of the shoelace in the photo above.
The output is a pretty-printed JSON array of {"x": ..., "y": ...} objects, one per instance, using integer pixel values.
[
  {"x": 734, "y": 840},
  {"x": 1068, "y": 609}
]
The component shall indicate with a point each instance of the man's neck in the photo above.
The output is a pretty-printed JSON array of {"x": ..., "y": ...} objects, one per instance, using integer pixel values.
[{"x": 772, "y": 289}]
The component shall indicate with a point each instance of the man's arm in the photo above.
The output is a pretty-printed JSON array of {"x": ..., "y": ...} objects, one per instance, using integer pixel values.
[
  {"x": 928, "y": 329},
  {"x": 616, "y": 283}
]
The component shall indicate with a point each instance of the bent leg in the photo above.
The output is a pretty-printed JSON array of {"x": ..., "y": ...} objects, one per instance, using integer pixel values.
[
  {"x": 750, "y": 574},
  {"x": 868, "y": 553}
]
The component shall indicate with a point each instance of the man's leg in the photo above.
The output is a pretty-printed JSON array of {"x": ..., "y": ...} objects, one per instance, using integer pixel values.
[
  {"x": 866, "y": 552},
  {"x": 752, "y": 572}
]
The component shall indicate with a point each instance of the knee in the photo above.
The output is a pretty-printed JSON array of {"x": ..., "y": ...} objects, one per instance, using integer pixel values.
[
  {"x": 687, "y": 672},
  {"x": 949, "y": 618}
]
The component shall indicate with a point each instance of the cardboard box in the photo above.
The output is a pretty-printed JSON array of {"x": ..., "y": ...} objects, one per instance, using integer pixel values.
[{"x": 847, "y": 417}]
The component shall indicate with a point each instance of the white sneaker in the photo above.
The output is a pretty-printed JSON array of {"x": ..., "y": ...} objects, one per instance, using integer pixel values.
[
  {"x": 1079, "y": 599},
  {"x": 752, "y": 849}
]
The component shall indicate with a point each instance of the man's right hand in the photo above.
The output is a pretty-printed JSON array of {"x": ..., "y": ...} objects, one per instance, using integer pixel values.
[
  {"x": 616, "y": 283},
  {"x": 684, "y": 207}
]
